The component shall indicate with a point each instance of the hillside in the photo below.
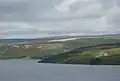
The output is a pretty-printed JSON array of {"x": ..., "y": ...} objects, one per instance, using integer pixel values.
[
  {"x": 32, "y": 41},
  {"x": 97, "y": 54},
  {"x": 52, "y": 47}
]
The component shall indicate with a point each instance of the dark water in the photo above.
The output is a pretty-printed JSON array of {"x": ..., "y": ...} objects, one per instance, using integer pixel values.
[{"x": 29, "y": 70}]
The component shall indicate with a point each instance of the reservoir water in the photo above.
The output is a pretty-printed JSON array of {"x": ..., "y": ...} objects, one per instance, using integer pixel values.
[{"x": 30, "y": 70}]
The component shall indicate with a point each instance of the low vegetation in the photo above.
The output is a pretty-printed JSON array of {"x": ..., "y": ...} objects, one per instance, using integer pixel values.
[
  {"x": 87, "y": 56},
  {"x": 83, "y": 50}
]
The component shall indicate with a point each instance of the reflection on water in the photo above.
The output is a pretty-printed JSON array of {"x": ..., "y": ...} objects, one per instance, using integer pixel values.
[{"x": 30, "y": 70}]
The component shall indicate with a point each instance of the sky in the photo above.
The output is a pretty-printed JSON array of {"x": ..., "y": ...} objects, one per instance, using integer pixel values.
[{"x": 44, "y": 18}]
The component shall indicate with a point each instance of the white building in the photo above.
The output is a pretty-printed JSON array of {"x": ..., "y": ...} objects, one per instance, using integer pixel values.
[{"x": 102, "y": 53}]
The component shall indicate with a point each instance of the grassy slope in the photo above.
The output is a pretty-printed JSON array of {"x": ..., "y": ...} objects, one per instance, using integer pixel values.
[
  {"x": 84, "y": 56},
  {"x": 52, "y": 48},
  {"x": 33, "y": 51}
]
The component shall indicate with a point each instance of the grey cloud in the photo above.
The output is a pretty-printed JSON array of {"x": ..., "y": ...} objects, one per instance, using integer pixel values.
[
  {"x": 107, "y": 4},
  {"x": 80, "y": 4},
  {"x": 36, "y": 18},
  {"x": 71, "y": 18},
  {"x": 21, "y": 32},
  {"x": 33, "y": 11},
  {"x": 24, "y": 11},
  {"x": 116, "y": 18},
  {"x": 118, "y": 2}
]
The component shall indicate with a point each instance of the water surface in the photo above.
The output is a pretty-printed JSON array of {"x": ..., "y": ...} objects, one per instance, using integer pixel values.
[{"x": 30, "y": 70}]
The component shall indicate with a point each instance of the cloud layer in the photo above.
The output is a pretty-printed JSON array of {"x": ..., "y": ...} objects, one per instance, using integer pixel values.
[{"x": 41, "y": 18}]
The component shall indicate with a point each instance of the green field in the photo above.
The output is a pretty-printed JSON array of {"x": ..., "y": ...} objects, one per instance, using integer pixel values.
[
  {"x": 63, "y": 52},
  {"x": 84, "y": 56}
]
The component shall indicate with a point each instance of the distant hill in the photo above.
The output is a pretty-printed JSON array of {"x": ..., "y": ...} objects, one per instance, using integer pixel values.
[
  {"x": 32, "y": 41},
  {"x": 46, "y": 39}
]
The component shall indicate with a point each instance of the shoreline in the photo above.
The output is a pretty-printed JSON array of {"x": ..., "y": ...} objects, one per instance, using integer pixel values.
[{"x": 61, "y": 63}]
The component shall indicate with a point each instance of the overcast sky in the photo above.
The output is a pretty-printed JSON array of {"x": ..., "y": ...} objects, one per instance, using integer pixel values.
[{"x": 41, "y": 18}]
